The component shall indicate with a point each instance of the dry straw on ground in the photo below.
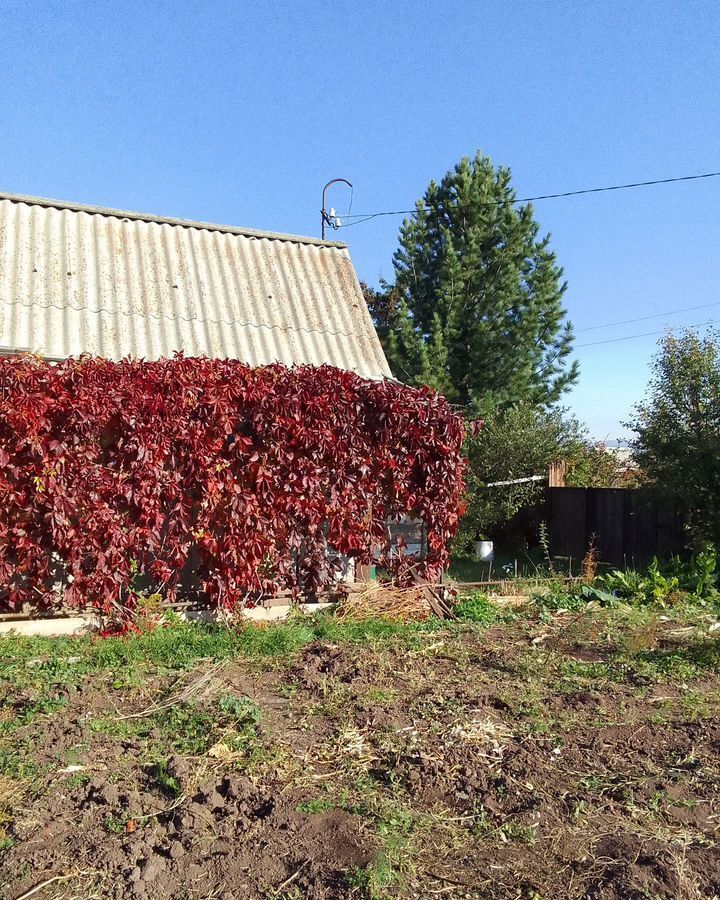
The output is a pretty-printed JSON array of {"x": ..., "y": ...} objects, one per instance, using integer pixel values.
[{"x": 382, "y": 602}]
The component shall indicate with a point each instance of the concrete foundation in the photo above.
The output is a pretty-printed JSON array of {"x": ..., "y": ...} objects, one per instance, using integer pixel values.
[{"x": 86, "y": 624}]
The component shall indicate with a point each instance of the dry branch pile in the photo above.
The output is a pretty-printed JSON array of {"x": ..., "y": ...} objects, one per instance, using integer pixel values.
[{"x": 381, "y": 601}]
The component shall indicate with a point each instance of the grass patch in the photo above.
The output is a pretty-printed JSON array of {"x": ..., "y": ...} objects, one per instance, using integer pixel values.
[
  {"x": 679, "y": 664},
  {"x": 313, "y": 807},
  {"x": 121, "y": 729},
  {"x": 44, "y": 661},
  {"x": 187, "y": 729},
  {"x": 17, "y": 718},
  {"x": 531, "y": 564},
  {"x": 416, "y": 729},
  {"x": 18, "y": 761}
]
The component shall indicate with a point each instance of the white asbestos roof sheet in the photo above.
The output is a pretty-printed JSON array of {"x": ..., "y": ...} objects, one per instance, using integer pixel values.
[{"x": 77, "y": 279}]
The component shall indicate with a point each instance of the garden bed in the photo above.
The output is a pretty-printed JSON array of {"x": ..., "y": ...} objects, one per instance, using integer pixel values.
[{"x": 525, "y": 754}]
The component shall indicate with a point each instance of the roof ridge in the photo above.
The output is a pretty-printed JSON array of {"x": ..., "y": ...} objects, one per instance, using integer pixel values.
[{"x": 166, "y": 220}]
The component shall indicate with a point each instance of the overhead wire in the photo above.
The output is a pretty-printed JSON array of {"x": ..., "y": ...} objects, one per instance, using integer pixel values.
[
  {"x": 669, "y": 312},
  {"x": 631, "y": 337},
  {"x": 366, "y": 217}
]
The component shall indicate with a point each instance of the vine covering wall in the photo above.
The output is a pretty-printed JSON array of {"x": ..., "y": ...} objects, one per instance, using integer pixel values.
[{"x": 113, "y": 473}]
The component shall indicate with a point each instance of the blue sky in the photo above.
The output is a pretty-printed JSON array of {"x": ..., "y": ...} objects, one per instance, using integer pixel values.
[{"x": 239, "y": 112}]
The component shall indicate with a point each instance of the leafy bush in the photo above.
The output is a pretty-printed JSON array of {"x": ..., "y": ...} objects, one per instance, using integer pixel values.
[
  {"x": 574, "y": 597},
  {"x": 650, "y": 586},
  {"x": 560, "y": 599},
  {"x": 702, "y": 573},
  {"x": 476, "y": 607},
  {"x": 678, "y": 429},
  {"x": 117, "y": 472},
  {"x": 514, "y": 444},
  {"x": 659, "y": 584},
  {"x": 664, "y": 584}
]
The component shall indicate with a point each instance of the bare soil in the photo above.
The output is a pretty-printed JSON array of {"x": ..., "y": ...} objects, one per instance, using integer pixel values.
[{"x": 576, "y": 758}]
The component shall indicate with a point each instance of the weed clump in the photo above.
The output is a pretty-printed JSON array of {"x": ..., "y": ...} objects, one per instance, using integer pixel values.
[
  {"x": 476, "y": 607},
  {"x": 659, "y": 584}
]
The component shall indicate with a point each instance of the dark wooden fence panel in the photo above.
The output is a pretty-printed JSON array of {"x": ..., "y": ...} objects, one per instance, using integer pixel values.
[
  {"x": 566, "y": 521},
  {"x": 605, "y": 515},
  {"x": 629, "y": 525}
]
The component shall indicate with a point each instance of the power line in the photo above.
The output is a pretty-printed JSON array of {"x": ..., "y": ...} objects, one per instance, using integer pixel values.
[
  {"x": 365, "y": 217},
  {"x": 669, "y": 312},
  {"x": 631, "y": 337}
]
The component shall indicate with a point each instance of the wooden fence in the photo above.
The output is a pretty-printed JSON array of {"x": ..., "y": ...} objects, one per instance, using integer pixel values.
[{"x": 630, "y": 526}]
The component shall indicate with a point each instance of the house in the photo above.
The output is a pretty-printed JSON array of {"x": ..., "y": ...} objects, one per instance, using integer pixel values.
[{"x": 81, "y": 279}]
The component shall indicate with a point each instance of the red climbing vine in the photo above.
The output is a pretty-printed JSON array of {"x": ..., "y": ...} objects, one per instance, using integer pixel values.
[{"x": 114, "y": 474}]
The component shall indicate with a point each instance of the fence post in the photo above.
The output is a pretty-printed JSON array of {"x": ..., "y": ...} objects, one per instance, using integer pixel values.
[{"x": 557, "y": 473}]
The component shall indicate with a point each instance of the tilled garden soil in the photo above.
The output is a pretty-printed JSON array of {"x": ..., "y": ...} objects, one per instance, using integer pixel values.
[{"x": 573, "y": 759}]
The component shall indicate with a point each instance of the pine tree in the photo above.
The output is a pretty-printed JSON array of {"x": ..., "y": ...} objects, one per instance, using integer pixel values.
[{"x": 476, "y": 307}]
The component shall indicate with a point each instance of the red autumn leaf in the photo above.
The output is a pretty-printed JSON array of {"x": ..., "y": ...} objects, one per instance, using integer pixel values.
[{"x": 115, "y": 471}]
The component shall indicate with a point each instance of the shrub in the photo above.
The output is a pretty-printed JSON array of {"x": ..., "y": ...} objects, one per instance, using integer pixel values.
[
  {"x": 516, "y": 443},
  {"x": 659, "y": 584},
  {"x": 663, "y": 584},
  {"x": 678, "y": 429},
  {"x": 476, "y": 607},
  {"x": 573, "y": 597},
  {"x": 117, "y": 472}
]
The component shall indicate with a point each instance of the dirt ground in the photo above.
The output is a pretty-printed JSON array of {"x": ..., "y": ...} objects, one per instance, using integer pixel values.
[{"x": 572, "y": 756}]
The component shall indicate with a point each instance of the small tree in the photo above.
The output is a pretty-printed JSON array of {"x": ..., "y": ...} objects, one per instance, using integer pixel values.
[
  {"x": 678, "y": 428},
  {"x": 476, "y": 310},
  {"x": 594, "y": 465},
  {"x": 518, "y": 443}
]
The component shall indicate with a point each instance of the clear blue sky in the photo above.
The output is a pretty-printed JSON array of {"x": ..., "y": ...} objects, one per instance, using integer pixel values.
[{"x": 239, "y": 112}]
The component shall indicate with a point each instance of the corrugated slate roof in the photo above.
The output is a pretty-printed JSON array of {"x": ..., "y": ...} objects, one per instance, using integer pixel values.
[{"x": 80, "y": 279}]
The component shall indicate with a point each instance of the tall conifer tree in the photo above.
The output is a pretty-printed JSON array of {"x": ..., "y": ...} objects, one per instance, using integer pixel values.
[{"x": 476, "y": 307}]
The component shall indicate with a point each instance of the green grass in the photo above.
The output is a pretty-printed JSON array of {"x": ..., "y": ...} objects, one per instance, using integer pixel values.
[
  {"x": 38, "y": 666},
  {"x": 531, "y": 661},
  {"x": 394, "y": 826},
  {"x": 41, "y": 706},
  {"x": 189, "y": 729},
  {"x": 41, "y": 662},
  {"x": 529, "y": 564},
  {"x": 590, "y": 672},
  {"x": 680, "y": 664},
  {"x": 376, "y": 696},
  {"x": 122, "y": 729},
  {"x": 18, "y": 761}
]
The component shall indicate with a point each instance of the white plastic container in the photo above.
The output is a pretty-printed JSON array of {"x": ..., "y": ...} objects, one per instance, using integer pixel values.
[{"x": 484, "y": 551}]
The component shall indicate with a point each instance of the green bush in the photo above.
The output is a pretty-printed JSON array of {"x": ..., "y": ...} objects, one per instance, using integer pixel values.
[
  {"x": 574, "y": 598},
  {"x": 663, "y": 584},
  {"x": 659, "y": 584},
  {"x": 678, "y": 429},
  {"x": 651, "y": 586},
  {"x": 513, "y": 444},
  {"x": 476, "y": 607}
]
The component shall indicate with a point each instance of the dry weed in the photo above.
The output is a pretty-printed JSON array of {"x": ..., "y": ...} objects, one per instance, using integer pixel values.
[{"x": 382, "y": 602}]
